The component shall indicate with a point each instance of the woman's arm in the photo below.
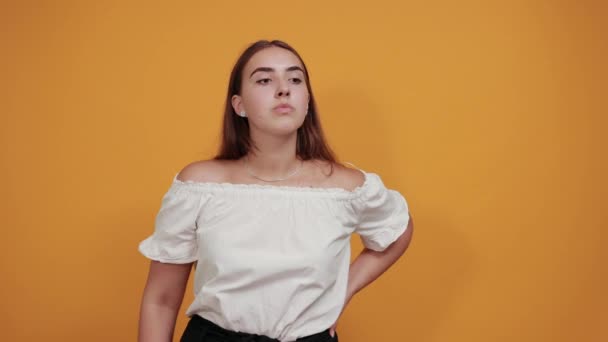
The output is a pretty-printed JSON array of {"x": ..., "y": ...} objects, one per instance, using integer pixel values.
[
  {"x": 370, "y": 264},
  {"x": 161, "y": 301}
]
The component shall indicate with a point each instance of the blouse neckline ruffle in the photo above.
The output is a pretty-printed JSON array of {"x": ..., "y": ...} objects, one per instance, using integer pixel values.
[{"x": 256, "y": 187}]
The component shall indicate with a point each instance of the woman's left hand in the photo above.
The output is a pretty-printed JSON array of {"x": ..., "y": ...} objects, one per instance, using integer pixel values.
[{"x": 332, "y": 329}]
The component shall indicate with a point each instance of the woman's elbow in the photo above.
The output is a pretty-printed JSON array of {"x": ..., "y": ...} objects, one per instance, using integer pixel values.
[{"x": 406, "y": 238}]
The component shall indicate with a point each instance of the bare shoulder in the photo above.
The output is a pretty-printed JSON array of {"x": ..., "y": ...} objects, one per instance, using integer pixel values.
[
  {"x": 210, "y": 170},
  {"x": 351, "y": 178},
  {"x": 343, "y": 176}
]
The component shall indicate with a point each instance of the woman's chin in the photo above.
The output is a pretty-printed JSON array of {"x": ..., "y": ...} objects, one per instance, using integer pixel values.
[{"x": 285, "y": 129}]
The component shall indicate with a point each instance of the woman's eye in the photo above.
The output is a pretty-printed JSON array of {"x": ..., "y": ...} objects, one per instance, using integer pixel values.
[
  {"x": 297, "y": 80},
  {"x": 263, "y": 81}
]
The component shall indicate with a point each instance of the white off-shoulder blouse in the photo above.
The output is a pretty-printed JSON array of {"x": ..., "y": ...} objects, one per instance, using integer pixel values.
[{"x": 272, "y": 260}]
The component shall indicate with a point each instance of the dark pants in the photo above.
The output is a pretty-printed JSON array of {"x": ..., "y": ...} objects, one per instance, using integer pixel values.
[{"x": 203, "y": 330}]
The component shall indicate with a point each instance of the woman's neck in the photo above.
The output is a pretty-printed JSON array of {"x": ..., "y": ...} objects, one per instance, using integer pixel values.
[{"x": 273, "y": 158}]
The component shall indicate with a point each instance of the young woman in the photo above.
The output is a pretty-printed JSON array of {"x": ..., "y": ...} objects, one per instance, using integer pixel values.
[{"x": 267, "y": 222}]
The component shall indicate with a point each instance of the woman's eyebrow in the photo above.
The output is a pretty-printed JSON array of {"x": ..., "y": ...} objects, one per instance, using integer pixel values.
[{"x": 268, "y": 69}]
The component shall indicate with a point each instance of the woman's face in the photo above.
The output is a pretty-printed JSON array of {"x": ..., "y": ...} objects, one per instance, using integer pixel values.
[{"x": 273, "y": 77}]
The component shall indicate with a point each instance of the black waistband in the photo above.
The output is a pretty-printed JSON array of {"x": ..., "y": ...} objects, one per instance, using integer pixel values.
[{"x": 242, "y": 336}]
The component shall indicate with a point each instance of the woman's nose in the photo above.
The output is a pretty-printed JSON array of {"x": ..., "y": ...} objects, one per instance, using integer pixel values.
[{"x": 283, "y": 89}]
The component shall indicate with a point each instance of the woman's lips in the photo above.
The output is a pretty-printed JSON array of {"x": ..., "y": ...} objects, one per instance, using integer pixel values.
[{"x": 283, "y": 108}]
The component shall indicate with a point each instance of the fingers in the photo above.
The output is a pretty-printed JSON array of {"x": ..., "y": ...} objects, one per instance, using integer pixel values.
[{"x": 332, "y": 330}]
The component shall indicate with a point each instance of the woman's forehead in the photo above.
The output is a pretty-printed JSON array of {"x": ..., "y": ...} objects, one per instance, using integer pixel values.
[{"x": 273, "y": 57}]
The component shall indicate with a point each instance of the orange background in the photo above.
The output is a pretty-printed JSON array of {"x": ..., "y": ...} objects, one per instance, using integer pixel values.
[{"x": 489, "y": 117}]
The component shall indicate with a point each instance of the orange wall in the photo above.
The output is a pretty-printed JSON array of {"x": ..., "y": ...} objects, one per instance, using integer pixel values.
[{"x": 487, "y": 117}]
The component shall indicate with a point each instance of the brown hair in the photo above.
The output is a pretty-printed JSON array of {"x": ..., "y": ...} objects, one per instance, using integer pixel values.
[{"x": 236, "y": 142}]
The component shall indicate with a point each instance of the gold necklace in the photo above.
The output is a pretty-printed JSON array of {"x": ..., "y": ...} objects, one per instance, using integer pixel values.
[{"x": 273, "y": 180}]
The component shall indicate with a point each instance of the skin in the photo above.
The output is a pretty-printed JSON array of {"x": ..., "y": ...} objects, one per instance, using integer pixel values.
[{"x": 275, "y": 135}]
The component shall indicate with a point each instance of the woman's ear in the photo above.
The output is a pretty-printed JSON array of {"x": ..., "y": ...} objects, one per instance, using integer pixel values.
[{"x": 237, "y": 104}]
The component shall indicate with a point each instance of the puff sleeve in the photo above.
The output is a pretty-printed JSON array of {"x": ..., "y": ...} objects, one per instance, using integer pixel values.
[
  {"x": 383, "y": 214},
  {"x": 174, "y": 238}
]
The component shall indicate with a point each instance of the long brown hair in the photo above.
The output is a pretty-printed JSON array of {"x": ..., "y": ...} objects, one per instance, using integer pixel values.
[{"x": 236, "y": 141}]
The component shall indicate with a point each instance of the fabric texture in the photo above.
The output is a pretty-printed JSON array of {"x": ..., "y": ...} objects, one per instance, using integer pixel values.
[{"x": 272, "y": 260}]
